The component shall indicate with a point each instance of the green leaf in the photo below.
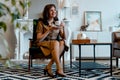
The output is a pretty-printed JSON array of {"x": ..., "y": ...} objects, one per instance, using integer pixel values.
[
  {"x": 25, "y": 27},
  {"x": 22, "y": 4},
  {"x": 13, "y": 2},
  {"x": 3, "y": 25},
  {"x": 2, "y": 13},
  {"x": 18, "y": 13},
  {"x": 15, "y": 16},
  {"x": 8, "y": 10},
  {"x": 18, "y": 25},
  {"x": 5, "y": 9},
  {"x": 29, "y": 3}
]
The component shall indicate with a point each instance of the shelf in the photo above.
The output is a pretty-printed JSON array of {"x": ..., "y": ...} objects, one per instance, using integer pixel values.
[
  {"x": 67, "y": 6},
  {"x": 24, "y": 20},
  {"x": 67, "y": 20}
]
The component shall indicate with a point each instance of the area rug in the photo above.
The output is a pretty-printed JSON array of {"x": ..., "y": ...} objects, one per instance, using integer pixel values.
[{"x": 20, "y": 72}]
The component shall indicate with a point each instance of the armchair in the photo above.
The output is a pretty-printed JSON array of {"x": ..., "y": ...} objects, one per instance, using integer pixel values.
[
  {"x": 35, "y": 52},
  {"x": 116, "y": 46}
]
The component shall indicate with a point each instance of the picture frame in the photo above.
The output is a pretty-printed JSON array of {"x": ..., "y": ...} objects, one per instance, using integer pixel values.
[
  {"x": 75, "y": 10},
  {"x": 93, "y": 20}
]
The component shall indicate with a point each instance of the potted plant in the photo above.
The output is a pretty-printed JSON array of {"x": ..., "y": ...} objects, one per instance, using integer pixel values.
[
  {"x": 10, "y": 10},
  {"x": 15, "y": 11}
]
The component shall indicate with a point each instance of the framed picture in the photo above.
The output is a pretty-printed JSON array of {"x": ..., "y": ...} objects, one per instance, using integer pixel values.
[
  {"x": 93, "y": 20},
  {"x": 75, "y": 10}
]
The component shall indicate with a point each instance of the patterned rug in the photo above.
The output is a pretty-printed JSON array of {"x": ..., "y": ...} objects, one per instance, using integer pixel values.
[{"x": 20, "y": 72}]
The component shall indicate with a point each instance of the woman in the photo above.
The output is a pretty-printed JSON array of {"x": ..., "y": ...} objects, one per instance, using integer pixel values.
[{"x": 47, "y": 39}]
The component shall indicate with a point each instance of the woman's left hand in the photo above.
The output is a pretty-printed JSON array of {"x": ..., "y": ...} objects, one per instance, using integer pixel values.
[{"x": 62, "y": 24}]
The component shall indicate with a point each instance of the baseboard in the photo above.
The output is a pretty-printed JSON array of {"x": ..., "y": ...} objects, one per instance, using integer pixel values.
[{"x": 97, "y": 58}]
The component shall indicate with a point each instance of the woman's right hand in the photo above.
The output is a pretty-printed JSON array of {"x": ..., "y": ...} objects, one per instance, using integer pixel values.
[{"x": 53, "y": 28}]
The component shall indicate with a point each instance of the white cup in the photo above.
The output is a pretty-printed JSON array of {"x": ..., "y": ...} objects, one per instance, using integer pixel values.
[{"x": 57, "y": 23}]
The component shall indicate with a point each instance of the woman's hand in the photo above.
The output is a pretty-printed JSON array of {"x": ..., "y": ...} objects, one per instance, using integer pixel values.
[
  {"x": 62, "y": 24},
  {"x": 53, "y": 28}
]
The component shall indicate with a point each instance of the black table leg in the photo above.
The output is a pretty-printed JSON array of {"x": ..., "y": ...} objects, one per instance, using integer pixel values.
[
  {"x": 70, "y": 55},
  {"x": 117, "y": 61},
  {"x": 94, "y": 52},
  {"x": 79, "y": 60},
  {"x": 111, "y": 59}
]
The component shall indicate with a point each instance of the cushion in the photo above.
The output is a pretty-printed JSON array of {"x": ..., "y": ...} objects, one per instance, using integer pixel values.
[{"x": 116, "y": 45}]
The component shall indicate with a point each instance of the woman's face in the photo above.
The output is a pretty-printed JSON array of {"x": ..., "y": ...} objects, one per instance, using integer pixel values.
[{"x": 52, "y": 12}]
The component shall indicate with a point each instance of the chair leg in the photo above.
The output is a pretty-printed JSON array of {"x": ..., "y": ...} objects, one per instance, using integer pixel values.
[
  {"x": 117, "y": 61},
  {"x": 29, "y": 63}
]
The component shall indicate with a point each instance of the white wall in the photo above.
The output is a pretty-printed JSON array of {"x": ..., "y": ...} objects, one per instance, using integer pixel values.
[
  {"x": 109, "y": 11},
  {"x": 109, "y": 8},
  {"x": 37, "y": 7}
]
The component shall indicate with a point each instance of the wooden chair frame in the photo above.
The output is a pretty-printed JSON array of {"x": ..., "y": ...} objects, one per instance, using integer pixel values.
[{"x": 116, "y": 46}]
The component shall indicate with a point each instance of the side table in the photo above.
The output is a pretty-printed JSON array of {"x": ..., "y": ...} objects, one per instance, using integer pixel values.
[{"x": 94, "y": 44}]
